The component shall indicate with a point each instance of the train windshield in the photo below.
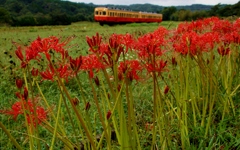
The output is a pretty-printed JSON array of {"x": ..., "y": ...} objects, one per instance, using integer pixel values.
[{"x": 96, "y": 12}]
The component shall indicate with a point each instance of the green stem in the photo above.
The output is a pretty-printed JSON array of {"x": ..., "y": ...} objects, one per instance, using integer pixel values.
[
  {"x": 56, "y": 124},
  {"x": 79, "y": 116},
  {"x": 34, "y": 106},
  {"x": 10, "y": 136},
  {"x": 81, "y": 89},
  {"x": 100, "y": 114}
]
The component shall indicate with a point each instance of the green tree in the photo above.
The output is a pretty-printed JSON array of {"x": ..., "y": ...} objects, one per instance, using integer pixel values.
[
  {"x": 42, "y": 19},
  {"x": 168, "y": 11},
  {"x": 26, "y": 20},
  {"x": 198, "y": 15},
  {"x": 4, "y": 16},
  {"x": 60, "y": 19},
  {"x": 215, "y": 10},
  {"x": 14, "y": 6},
  {"x": 182, "y": 15}
]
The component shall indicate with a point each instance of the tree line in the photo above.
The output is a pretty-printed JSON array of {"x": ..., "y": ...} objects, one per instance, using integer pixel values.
[
  {"x": 59, "y": 12},
  {"x": 43, "y": 12},
  {"x": 174, "y": 14}
]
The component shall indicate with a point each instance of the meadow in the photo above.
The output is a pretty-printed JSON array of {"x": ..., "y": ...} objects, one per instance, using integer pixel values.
[{"x": 135, "y": 86}]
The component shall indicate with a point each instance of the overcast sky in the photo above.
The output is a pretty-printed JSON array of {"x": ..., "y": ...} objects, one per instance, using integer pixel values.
[{"x": 158, "y": 2}]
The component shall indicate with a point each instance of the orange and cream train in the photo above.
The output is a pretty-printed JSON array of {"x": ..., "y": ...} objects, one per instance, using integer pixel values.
[{"x": 111, "y": 16}]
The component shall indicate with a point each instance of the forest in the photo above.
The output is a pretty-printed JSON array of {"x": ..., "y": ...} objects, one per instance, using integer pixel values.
[{"x": 59, "y": 12}]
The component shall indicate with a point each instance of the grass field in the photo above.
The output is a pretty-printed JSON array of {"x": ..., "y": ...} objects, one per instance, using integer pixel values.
[{"x": 136, "y": 86}]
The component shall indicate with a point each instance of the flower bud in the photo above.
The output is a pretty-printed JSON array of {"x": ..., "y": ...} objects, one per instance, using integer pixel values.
[
  {"x": 87, "y": 107},
  {"x": 25, "y": 93},
  {"x": 75, "y": 101},
  {"x": 166, "y": 90},
  {"x": 19, "y": 83},
  {"x": 109, "y": 114}
]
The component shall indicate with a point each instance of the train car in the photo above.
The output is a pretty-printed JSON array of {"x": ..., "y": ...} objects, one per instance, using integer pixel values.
[{"x": 111, "y": 16}]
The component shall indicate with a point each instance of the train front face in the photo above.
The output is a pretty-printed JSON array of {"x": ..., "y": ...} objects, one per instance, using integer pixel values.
[{"x": 100, "y": 14}]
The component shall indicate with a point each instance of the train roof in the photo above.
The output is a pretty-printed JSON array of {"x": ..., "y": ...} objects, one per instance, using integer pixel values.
[{"x": 125, "y": 10}]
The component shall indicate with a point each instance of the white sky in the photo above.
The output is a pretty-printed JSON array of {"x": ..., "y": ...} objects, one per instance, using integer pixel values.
[{"x": 158, "y": 2}]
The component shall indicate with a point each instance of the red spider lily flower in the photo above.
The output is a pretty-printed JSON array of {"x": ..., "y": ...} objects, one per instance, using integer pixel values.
[
  {"x": 150, "y": 44},
  {"x": 94, "y": 42},
  {"x": 115, "y": 45},
  {"x": 41, "y": 115},
  {"x": 187, "y": 44},
  {"x": 47, "y": 75},
  {"x": 32, "y": 53},
  {"x": 34, "y": 72},
  {"x": 236, "y": 25},
  {"x": 19, "y": 53},
  {"x": 158, "y": 66},
  {"x": 166, "y": 89},
  {"x": 75, "y": 63},
  {"x": 127, "y": 40},
  {"x": 223, "y": 50},
  {"x": 198, "y": 26},
  {"x": 111, "y": 51},
  {"x": 206, "y": 41},
  {"x": 42, "y": 45},
  {"x": 20, "y": 106},
  {"x": 109, "y": 113},
  {"x": 106, "y": 55},
  {"x": 45, "y": 45},
  {"x": 63, "y": 71},
  {"x": 131, "y": 68},
  {"x": 233, "y": 37},
  {"x": 160, "y": 33},
  {"x": 19, "y": 83},
  {"x": 114, "y": 41},
  {"x": 222, "y": 27},
  {"x": 91, "y": 63},
  {"x": 15, "y": 111}
]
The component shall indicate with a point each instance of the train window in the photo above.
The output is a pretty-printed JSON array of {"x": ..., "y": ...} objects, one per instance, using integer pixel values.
[
  {"x": 96, "y": 12},
  {"x": 104, "y": 13}
]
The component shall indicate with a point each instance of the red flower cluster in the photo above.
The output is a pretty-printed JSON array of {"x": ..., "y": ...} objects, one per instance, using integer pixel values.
[
  {"x": 91, "y": 63},
  {"x": 203, "y": 35},
  {"x": 158, "y": 66},
  {"x": 39, "y": 46},
  {"x": 130, "y": 68},
  {"x": 21, "y": 106},
  {"x": 151, "y": 44}
]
